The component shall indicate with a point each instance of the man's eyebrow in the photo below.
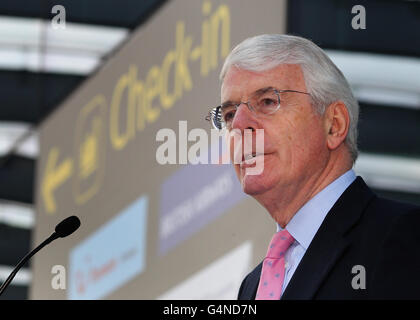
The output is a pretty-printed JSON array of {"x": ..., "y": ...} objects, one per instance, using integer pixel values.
[
  {"x": 227, "y": 103},
  {"x": 259, "y": 91},
  {"x": 264, "y": 90}
]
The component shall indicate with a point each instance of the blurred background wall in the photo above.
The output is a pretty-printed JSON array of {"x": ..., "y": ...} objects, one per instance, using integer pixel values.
[{"x": 47, "y": 78}]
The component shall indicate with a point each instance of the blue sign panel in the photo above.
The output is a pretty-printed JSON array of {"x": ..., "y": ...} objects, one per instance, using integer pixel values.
[
  {"x": 193, "y": 197},
  {"x": 111, "y": 256}
]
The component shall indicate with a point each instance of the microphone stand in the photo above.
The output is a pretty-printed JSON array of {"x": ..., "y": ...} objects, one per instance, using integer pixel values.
[{"x": 25, "y": 259}]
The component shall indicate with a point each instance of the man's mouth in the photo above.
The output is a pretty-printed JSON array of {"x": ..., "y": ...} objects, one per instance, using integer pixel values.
[
  {"x": 252, "y": 155},
  {"x": 251, "y": 158}
]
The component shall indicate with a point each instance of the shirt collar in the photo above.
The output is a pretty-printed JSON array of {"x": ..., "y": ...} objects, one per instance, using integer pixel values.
[{"x": 306, "y": 222}]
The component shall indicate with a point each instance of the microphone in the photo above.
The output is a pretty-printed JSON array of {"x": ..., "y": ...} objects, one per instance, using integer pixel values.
[
  {"x": 67, "y": 226},
  {"x": 63, "y": 229}
]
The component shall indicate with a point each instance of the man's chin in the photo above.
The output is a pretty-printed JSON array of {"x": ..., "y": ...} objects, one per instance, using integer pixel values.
[{"x": 252, "y": 185}]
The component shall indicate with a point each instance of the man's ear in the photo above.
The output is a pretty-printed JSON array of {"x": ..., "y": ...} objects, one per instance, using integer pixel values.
[{"x": 337, "y": 123}]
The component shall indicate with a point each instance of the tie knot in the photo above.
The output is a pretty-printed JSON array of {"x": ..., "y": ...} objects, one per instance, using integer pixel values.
[{"x": 279, "y": 244}]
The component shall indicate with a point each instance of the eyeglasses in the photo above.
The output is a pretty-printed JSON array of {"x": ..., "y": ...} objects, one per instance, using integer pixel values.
[{"x": 264, "y": 101}]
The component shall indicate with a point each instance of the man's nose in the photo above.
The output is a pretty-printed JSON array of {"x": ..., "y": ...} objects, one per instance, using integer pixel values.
[{"x": 244, "y": 118}]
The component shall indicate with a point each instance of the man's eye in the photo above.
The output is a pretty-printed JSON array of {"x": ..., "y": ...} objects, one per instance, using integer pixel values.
[
  {"x": 268, "y": 102},
  {"x": 228, "y": 116}
]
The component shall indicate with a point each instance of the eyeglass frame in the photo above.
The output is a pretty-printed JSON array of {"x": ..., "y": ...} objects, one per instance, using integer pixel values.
[{"x": 211, "y": 113}]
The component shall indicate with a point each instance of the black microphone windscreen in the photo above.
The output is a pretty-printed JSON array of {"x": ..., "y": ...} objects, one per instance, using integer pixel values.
[{"x": 67, "y": 226}]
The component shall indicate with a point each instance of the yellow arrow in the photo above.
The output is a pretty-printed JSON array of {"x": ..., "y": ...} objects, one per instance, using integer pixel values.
[{"x": 54, "y": 176}]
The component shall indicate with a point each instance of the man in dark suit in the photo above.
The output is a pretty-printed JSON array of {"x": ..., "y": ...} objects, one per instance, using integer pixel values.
[{"x": 335, "y": 238}]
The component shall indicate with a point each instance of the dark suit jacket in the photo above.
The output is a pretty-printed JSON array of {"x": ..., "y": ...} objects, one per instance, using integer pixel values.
[{"x": 381, "y": 235}]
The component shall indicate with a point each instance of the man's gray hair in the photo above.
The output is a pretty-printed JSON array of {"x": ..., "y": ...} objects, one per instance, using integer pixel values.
[{"x": 324, "y": 81}]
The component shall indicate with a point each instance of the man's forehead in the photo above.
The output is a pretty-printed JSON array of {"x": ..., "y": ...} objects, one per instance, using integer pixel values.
[{"x": 242, "y": 82}]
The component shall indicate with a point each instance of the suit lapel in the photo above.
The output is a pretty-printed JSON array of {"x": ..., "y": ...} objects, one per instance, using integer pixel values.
[
  {"x": 329, "y": 243},
  {"x": 314, "y": 267},
  {"x": 251, "y": 285}
]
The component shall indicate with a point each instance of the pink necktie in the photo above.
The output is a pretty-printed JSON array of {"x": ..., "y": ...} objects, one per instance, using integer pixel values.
[{"x": 272, "y": 274}]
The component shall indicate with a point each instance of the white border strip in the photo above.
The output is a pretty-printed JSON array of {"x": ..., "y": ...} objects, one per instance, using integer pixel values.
[
  {"x": 379, "y": 78},
  {"x": 23, "y": 277},
  {"x": 17, "y": 215},
  {"x": 33, "y": 44},
  {"x": 389, "y": 172}
]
